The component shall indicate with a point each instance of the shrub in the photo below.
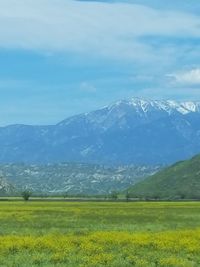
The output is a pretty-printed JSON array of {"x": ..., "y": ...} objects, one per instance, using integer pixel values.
[{"x": 26, "y": 195}]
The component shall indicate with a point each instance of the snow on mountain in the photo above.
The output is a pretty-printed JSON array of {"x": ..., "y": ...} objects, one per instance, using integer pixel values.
[
  {"x": 169, "y": 106},
  {"x": 137, "y": 109},
  {"x": 138, "y": 131}
]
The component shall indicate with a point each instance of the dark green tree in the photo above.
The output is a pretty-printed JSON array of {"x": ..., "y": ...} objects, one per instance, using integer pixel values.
[{"x": 26, "y": 195}]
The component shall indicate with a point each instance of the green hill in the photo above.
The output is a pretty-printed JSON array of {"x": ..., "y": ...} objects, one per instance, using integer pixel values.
[{"x": 180, "y": 181}]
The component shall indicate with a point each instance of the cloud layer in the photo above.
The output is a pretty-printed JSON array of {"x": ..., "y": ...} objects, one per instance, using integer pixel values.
[
  {"x": 185, "y": 78},
  {"x": 62, "y": 57},
  {"x": 110, "y": 30}
]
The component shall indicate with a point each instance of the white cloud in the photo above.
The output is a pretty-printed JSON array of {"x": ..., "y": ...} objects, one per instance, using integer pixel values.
[
  {"x": 87, "y": 87},
  {"x": 191, "y": 77},
  {"x": 89, "y": 27}
]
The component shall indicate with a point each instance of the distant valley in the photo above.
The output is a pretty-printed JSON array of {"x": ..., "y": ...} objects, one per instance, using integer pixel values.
[
  {"x": 70, "y": 178},
  {"x": 6, "y": 188}
]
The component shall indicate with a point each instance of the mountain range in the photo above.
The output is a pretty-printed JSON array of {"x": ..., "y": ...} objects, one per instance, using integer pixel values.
[{"x": 134, "y": 131}]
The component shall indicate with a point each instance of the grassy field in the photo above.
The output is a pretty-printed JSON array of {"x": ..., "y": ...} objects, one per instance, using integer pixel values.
[{"x": 99, "y": 234}]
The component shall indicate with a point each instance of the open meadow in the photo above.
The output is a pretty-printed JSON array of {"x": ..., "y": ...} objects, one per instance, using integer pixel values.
[{"x": 113, "y": 234}]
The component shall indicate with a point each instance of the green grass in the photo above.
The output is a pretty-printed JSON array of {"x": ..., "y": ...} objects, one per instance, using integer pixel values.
[
  {"x": 179, "y": 181},
  {"x": 147, "y": 234}
]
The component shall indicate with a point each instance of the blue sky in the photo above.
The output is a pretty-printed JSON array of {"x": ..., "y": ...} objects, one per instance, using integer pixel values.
[{"x": 63, "y": 57}]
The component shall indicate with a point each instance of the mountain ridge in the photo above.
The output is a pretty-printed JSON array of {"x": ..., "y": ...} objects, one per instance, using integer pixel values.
[{"x": 134, "y": 131}]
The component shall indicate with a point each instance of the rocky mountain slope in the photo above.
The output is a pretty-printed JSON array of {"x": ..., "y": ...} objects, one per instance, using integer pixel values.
[
  {"x": 73, "y": 178},
  {"x": 180, "y": 181},
  {"x": 6, "y": 188},
  {"x": 134, "y": 131}
]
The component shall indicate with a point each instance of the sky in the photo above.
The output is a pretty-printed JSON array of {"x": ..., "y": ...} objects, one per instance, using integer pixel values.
[{"x": 59, "y": 58}]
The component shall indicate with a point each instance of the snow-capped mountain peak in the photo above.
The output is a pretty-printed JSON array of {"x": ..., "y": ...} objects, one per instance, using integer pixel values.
[
  {"x": 136, "y": 130},
  {"x": 145, "y": 105}
]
